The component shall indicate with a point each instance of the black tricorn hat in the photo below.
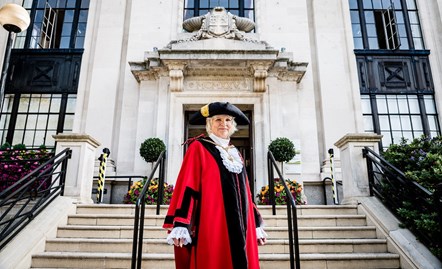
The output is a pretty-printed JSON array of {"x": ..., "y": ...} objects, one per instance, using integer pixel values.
[{"x": 218, "y": 108}]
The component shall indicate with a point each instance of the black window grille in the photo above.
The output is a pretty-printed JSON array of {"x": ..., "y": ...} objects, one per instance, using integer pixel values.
[
  {"x": 54, "y": 24},
  {"x": 32, "y": 119},
  {"x": 385, "y": 24},
  {"x": 242, "y": 8}
]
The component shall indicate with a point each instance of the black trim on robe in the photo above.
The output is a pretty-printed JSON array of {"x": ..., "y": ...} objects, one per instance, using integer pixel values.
[{"x": 236, "y": 207}]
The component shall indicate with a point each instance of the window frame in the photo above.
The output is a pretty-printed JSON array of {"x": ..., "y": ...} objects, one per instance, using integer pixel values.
[
  {"x": 197, "y": 9},
  {"x": 80, "y": 5},
  {"x": 362, "y": 25}
]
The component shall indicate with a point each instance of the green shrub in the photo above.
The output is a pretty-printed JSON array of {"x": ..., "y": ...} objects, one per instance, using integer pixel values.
[
  {"x": 282, "y": 149},
  {"x": 151, "y": 149},
  {"x": 421, "y": 161}
]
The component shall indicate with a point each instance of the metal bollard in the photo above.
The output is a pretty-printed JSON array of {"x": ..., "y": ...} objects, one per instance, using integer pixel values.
[
  {"x": 102, "y": 174},
  {"x": 332, "y": 168}
]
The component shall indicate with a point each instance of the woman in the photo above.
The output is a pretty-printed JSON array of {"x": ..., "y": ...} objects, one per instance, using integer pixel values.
[{"x": 212, "y": 219}]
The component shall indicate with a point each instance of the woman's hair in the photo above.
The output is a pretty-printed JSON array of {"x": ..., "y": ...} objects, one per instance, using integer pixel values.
[{"x": 209, "y": 126}]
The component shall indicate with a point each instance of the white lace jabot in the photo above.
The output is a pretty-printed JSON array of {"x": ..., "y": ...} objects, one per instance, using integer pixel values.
[{"x": 230, "y": 155}]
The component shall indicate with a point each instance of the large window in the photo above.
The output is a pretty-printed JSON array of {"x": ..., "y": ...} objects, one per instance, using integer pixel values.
[
  {"x": 54, "y": 24},
  {"x": 395, "y": 78},
  {"x": 45, "y": 63},
  {"x": 385, "y": 24},
  {"x": 242, "y": 8},
  {"x": 36, "y": 117},
  {"x": 400, "y": 116}
]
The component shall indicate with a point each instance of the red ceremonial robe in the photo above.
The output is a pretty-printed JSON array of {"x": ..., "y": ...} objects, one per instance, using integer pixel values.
[{"x": 216, "y": 207}]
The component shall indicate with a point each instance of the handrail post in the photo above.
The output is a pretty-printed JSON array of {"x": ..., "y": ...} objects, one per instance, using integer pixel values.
[
  {"x": 64, "y": 167},
  {"x": 369, "y": 171},
  {"x": 271, "y": 183},
  {"x": 296, "y": 237},
  {"x": 292, "y": 219},
  {"x": 290, "y": 228},
  {"x": 135, "y": 237},
  {"x": 324, "y": 190},
  {"x": 137, "y": 243},
  {"x": 161, "y": 185}
]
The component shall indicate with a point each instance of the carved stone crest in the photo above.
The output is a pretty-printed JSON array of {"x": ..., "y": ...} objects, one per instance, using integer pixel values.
[{"x": 218, "y": 23}]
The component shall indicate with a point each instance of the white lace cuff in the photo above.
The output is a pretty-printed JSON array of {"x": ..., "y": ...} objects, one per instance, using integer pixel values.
[
  {"x": 260, "y": 233},
  {"x": 179, "y": 232}
]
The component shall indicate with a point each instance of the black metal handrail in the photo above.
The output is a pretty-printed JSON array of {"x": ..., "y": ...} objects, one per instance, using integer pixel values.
[
  {"x": 140, "y": 206},
  {"x": 26, "y": 198},
  {"x": 392, "y": 187},
  {"x": 292, "y": 218},
  {"x": 333, "y": 190},
  {"x": 129, "y": 182}
]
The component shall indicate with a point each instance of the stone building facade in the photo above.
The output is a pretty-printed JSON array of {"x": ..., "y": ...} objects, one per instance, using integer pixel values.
[{"x": 300, "y": 72}]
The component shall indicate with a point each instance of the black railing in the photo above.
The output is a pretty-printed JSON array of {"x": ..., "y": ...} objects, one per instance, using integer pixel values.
[
  {"x": 129, "y": 183},
  {"x": 140, "y": 206},
  {"x": 393, "y": 188},
  {"x": 335, "y": 192},
  {"x": 25, "y": 199},
  {"x": 292, "y": 218}
]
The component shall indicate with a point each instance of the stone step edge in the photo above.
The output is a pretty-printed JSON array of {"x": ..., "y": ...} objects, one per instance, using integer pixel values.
[
  {"x": 270, "y": 228},
  {"x": 266, "y": 216},
  {"x": 259, "y": 206},
  {"x": 166, "y": 256},
  {"x": 269, "y": 241}
]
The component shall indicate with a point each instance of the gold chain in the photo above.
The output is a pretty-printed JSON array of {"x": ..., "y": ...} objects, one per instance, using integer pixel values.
[{"x": 226, "y": 149}]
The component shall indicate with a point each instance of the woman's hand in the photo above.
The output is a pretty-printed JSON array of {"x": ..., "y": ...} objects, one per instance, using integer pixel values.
[
  {"x": 262, "y": 241},
  {"x": 178, "y": 242},
  {"x": 261, "y": 235}
]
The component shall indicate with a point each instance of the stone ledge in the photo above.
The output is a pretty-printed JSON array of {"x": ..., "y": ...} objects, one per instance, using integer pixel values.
[
  {"x": 413, "y": 254},
  {"x": 31, "y": 239}
]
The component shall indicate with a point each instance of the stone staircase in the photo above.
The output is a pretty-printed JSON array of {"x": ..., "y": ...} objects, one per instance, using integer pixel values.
[{"x": 100, "y": 236}]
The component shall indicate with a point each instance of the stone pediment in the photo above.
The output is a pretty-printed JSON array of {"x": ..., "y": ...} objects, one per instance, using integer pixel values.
[{"x": 224, "y": 51}]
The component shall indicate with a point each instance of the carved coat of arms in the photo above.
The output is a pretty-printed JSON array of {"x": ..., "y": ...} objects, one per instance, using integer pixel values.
[{"x": 218, "y": 23}]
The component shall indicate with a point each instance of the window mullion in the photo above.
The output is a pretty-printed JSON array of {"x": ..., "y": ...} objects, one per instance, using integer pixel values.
[
  {"x": 363, "y": 24},
  {"x": 407, "y": 24},
  {"x": 423, "y": 114},
  {"x": 62, "y": 113},
  {"x": 29, "y": 30},
  {"x": 13, "y": 119}
]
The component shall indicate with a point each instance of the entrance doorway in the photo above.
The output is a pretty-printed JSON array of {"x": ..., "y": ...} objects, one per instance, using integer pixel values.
[{"x": 241, "y": 139}]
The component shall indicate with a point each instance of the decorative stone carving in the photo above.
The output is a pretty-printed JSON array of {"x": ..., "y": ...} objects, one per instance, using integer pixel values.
[
  {"x": 176, "y": 77},
  {"x": 218, "y": 23},
  {"x": 216, "y": 84},
  {"x": 259, "y": 84},
  {"x": 219, "y": 48}
]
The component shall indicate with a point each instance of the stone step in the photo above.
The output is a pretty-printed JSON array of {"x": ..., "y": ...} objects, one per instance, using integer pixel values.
[
  {"x": 80, "y": 231},
  {"x": 165, "y": 261},
  {"x": 273, "y": 245},
  {"x": 269, "y": 220},
  {"x": 263, "y": 209}
]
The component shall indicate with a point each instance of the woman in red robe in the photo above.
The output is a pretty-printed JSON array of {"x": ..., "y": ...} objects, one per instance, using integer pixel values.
[{"x": 212, "y": 220}]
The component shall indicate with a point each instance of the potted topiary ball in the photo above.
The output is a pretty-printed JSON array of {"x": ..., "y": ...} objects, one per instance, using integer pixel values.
[
  {"x": 282, "y": 149},
  {"x": 151, "y": 149}
]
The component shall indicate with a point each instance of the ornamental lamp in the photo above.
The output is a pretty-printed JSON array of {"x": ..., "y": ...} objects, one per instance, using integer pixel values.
[{"x": 15, "y": 19}]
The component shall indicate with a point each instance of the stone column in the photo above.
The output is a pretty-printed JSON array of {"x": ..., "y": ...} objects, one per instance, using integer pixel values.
[
  {"x": 80, "y": 170},
  {"x": 354, "y": 166}
]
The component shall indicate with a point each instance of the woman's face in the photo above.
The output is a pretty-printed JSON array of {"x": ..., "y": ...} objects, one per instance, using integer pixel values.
[{"x": 222, "y": 125}]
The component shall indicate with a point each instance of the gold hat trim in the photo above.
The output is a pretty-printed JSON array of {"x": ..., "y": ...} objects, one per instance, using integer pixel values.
[{"x": 205, "y": 111}]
